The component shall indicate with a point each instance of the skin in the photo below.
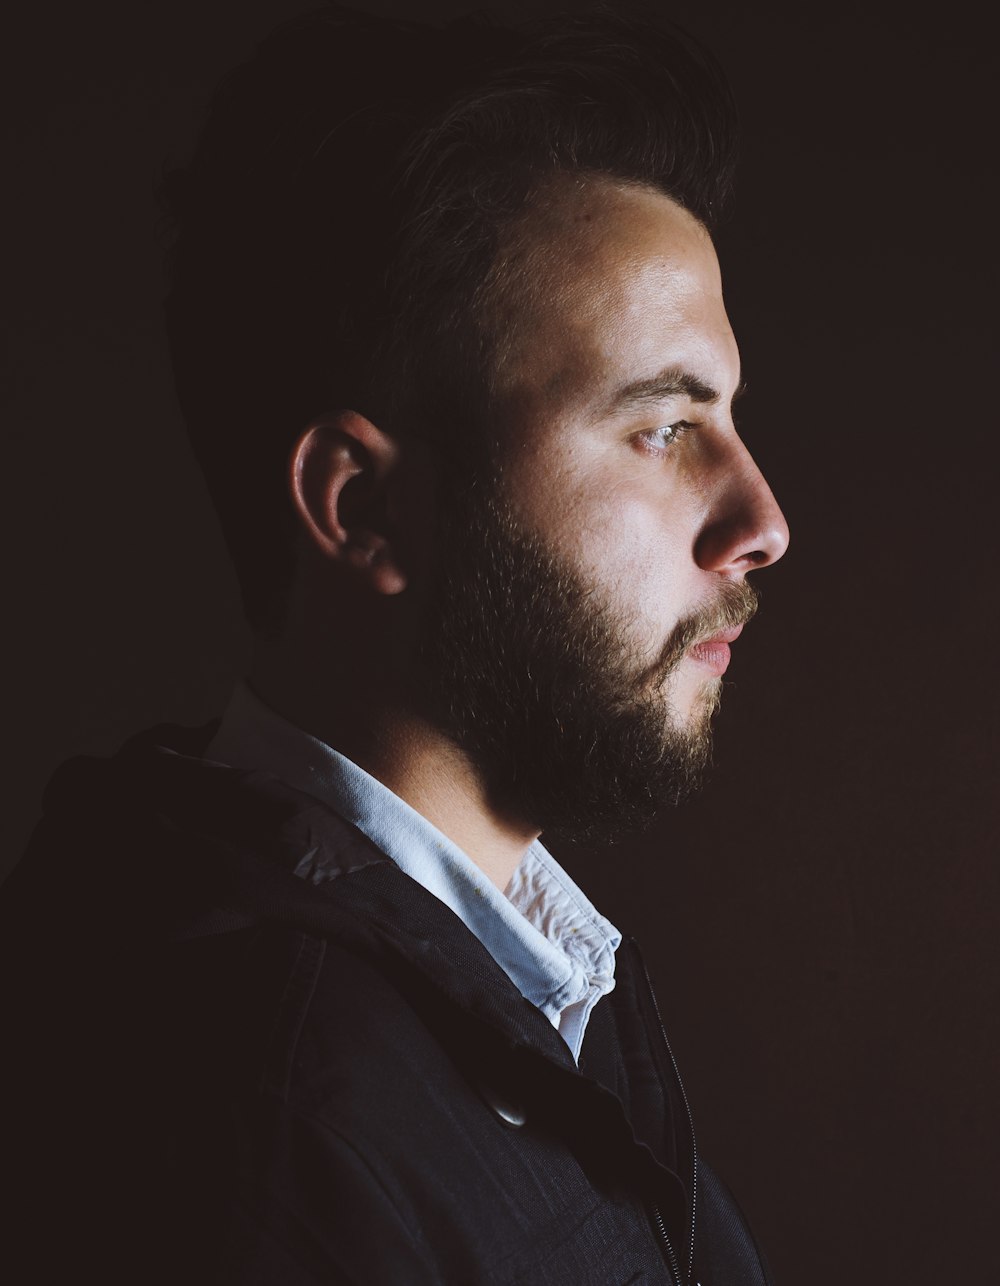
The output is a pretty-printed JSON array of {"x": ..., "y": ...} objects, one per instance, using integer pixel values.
[
  {"x": 657, "y": 524},
  {"x": 624, "y": 284}
]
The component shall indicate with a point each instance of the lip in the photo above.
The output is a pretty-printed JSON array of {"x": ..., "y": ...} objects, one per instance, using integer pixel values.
[{"x": 713, "y": 653}]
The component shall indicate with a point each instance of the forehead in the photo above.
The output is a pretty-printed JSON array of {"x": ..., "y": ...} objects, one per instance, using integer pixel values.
[{"x": 601, "y": 284}]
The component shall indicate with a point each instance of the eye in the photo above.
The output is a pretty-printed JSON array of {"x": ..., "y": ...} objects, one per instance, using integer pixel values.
[{"x": 665, "y": 435}]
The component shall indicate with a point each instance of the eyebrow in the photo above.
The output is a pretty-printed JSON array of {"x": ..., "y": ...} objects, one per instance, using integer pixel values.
[{"x": 674, "y": 381}]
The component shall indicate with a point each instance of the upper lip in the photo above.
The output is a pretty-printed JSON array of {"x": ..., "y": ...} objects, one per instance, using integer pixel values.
[{"x": 729, "y": 635}]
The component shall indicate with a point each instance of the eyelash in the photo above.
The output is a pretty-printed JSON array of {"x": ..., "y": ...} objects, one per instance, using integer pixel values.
[{"x": 677, "y": 430}]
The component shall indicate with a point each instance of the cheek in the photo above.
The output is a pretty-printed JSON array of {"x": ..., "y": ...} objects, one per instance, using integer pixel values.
[
  {"x": 622, "y": 522},
  {"x": 638, "y": 551}
]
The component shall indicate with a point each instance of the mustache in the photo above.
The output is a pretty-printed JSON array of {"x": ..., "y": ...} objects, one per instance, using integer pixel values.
[{"x": 736, "y": 604}]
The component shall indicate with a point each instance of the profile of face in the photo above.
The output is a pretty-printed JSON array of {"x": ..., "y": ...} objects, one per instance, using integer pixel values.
[{"x": 590, "y": 583}]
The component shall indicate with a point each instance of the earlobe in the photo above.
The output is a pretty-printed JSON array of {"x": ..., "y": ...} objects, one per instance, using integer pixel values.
[{"x": 341, "y": 471}]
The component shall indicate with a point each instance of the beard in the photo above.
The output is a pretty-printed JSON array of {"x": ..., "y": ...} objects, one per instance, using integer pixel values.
[{"x": 524, "y": 667}]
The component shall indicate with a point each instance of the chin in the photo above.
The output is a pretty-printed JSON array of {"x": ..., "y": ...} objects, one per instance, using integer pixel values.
[{"x": 701, "y": 707}]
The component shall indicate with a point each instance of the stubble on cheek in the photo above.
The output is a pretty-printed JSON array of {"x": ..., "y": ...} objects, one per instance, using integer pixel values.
[{"x": 536, "y": 673}]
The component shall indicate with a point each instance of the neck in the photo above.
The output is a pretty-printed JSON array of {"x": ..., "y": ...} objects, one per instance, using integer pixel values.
[{"x": 371, "y": 725}]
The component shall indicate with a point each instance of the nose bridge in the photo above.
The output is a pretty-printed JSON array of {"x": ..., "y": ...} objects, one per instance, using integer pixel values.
[{"x": 744, "y": 527}]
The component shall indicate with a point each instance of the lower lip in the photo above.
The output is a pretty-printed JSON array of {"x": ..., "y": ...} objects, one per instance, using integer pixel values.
[{"x": 713, "y": 655}]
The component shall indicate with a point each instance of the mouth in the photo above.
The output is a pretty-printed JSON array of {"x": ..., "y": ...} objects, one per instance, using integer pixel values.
[{"x": 713, "y": 653}]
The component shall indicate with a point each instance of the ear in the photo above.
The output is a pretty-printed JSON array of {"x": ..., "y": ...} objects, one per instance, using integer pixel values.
[{"x": 341, "y": 473}]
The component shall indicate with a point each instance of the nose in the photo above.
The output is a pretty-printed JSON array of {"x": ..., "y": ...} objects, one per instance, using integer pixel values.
[{"x": 744, "y": 528}]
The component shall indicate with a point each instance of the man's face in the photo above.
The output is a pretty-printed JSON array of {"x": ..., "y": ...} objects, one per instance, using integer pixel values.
[{"x": 591, "y": 586}]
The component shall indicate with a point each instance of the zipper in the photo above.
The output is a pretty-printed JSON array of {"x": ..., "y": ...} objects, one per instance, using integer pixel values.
[
  {"x": 672, "y": 1263},
  {"x": 658, "y": 1218}
]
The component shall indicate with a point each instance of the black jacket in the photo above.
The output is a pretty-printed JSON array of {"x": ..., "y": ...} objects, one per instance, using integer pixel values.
[{"x": 244, "y": 1047}]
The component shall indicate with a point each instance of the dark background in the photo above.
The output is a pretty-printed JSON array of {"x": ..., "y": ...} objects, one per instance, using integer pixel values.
[{"x": 822, "y": 920}]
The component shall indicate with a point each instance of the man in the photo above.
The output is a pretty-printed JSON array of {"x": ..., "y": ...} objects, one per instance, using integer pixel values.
[{"x": 315, "y": 1004}]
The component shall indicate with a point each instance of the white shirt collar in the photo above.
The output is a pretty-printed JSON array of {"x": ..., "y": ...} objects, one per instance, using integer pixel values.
[{"x": 542, "y": 931}]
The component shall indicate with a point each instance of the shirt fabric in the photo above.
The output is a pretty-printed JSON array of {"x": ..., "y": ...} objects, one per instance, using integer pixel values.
[{"x": 542, "y": 931}]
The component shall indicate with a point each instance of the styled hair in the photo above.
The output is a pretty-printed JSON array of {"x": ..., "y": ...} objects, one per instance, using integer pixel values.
[{"x": 339, "y": 222}]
